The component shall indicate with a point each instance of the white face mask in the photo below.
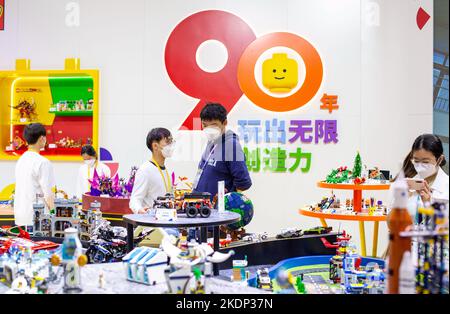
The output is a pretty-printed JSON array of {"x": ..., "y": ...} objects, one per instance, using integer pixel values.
[
  {"x": 424, "y": 170},
  {"x": 90, "y": 162},
  {"x": 167, "y": 151},
  {"x": 212, "y": 133}
]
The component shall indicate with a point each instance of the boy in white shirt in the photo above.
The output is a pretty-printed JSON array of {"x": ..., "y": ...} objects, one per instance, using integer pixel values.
[
  {"x": 152, "y": 178},
  {"x": 34, "y": 175}
]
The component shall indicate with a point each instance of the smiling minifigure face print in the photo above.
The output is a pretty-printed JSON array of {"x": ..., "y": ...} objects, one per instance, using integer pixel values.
[{"x": 280, "y": 73}]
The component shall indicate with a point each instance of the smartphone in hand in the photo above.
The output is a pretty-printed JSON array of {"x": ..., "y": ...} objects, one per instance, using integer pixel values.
[{"x": 415, "y": 184}]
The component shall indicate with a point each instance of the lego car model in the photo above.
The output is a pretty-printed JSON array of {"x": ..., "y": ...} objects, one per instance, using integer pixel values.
[
  {"x": 263, "y": 280},
  {"x": 318, "y": 230},
  {"x": 256, "y": 237},
  {"x": 289, "y": 233},
  {"x": 194, "y": 204},
  {"x": 166, "y": 201}
]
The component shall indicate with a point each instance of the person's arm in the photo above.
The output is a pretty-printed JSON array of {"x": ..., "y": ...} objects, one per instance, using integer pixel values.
[
  {"x": 141, "y": 184},
  {"x": 47, "y": 182},
  {"x": 239, "y": 170}
]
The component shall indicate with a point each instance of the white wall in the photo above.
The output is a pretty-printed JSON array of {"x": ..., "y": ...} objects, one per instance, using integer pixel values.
[{"x": 379, "y": 65}]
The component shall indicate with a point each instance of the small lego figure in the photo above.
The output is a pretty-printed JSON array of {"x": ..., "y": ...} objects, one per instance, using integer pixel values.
[
  {"x": 72, "y": 259},
  {"x": 101, "y": 280},
  {"x": 348, "y": 204}
]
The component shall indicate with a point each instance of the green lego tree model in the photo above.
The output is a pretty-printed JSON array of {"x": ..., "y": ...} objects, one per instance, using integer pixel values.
[{"x": 357, "y": 166}]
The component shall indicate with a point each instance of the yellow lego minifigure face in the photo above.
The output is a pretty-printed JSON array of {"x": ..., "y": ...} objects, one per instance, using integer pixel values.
[{"x": 280, "y": 74}]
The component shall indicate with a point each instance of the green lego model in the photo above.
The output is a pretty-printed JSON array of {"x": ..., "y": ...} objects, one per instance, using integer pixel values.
[{"x": 299, "y": 285}]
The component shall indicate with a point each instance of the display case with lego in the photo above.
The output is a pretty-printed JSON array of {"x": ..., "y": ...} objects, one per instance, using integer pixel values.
[{"x": 64, "y": 101}]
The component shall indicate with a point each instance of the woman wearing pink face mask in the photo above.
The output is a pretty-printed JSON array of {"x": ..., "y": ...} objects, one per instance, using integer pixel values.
[
  {"x": 424, "y": 162},
  {"x": 86, "y": 172}
]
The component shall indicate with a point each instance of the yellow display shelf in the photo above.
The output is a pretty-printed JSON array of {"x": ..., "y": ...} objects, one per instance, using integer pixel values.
[{"x": 42, "y": 89}]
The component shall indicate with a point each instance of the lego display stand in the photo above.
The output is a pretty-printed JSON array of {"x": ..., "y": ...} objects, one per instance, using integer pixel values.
[
  {"x": 215, "y": 220},
  {"x": 356, "y": 188},
  {"x": 360, "y": 218},
  {"x": 111, "y": 205},
  {"x": 357, "y": 207}
]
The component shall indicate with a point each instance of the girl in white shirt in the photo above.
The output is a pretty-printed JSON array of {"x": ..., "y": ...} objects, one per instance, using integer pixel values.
[
  {"x": 86, "y": 171},
  {"x": 424, "y": 162}
]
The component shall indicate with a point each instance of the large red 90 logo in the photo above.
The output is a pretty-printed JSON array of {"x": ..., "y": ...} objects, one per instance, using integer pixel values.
[{"x": 237, "y": 76}]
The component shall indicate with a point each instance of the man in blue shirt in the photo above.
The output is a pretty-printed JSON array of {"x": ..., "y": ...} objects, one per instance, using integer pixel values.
[{"x": 223, "y": 159}]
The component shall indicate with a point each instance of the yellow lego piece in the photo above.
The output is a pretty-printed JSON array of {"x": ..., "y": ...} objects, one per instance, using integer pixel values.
[
  {"x": 280, "y": 74},
  {"x": 428, "y": 211}
]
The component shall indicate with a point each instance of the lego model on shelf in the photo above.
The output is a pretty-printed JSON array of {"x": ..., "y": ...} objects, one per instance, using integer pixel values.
[
  {"x": 165, "y": 207},
  {"x": 26, "y": 111},
  {"x": 64, "y": 101},
  {"x": 318, "y": 230},
  {"x": 190, "y": 265},
  {"x": 256, "y": 237},
  {"x": 112, "y": 193},
  {"x": 66, "y": 214},
  {"x": 234, "y": 234},
  {"x": 25, "y": 272},
  {"x": 333, "y": 205},
  {"x": 345, "y": 269},
  {"x": 192, "y": 204},
  {"x": 90, "y": 221},
  {"x": 263, "y": 280},
  {"x": 53, "y": 224},
  {"x": 114, "y": 187},
  {"x": 71, "y": 260},
  {"x": 23, "y": 243},
  {"x": 287, "y": 233},
  {"x": 73, "y": 108},
  {"x": 239, "y": 203},
  {"x": 196, "y": 204},
  {"x": 344, "y": 179},
  {"x": 356, "y": 279},
  {"x": 343, "y": 175},
  {"x": 166, "y": 201},
  {"x": 316, "y": 274},
  {"x": 240, "y": 274},
  {"x": 376, "y": 174},
  {"x": 29, "y": 271},
  {"x": 183, "y": 186},
  {"x": 429, "y": 260}
]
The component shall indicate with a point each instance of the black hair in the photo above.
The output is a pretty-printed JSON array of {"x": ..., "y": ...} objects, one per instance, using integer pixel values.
[
  {"x": 89, "y": 150},
  {"x": 429, "y": 142},
  {"x": 213, "y": 111},
  {"x": 32, "y": 132},
  {"x": 155, "y": 135}
]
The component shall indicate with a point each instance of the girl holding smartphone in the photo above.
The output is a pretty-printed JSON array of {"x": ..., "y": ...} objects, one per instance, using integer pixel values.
[{"x": 423, "y": 171}]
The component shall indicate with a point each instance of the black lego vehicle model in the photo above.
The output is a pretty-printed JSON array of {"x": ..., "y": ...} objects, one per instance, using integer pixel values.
[{"x": 194, "y": 204}]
